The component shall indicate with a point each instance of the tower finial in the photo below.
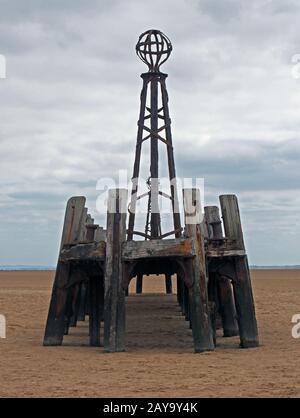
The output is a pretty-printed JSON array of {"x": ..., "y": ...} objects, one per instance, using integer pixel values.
[{"x": 153, "y": 48}]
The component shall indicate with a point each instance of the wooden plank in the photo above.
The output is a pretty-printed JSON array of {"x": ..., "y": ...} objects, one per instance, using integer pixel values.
[
  {"x": 179, "y": 292},
  {"x": 82, "y": 233},
  {"x": 94, "y": 311},
  {"x": 75, "y": 304},
  {"x": 168, "y": 281},
  {"x": 212, "y": 217},
  {"x": 73, "y": 220},
  {"x": 227, "y": 307},
  {"x": 232, "y": 220},
  {"x": 223, "y": 292},
  {"x": 198, "y": 300},
  {"x": 245, "y": 304},
  {"x": 90, "y": 232},
  {"x": 90, "y": 251},
  {"x": 178, "y": 247},
  {"x": 55, "y": 325},
  {"x": 83, "y": 302},
  {"x": 114, "y": 294},
  {"x": 220, "y": 252},
  {"x": 139, "y": 284},
  {"x": 100, "y": 234},
  {"x": 206, "y": 227},
  {"x": 241, "y": 282}
]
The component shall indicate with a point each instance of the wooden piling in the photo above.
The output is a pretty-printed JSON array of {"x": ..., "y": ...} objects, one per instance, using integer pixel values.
[
  {"x": 223, "y": 291},
  {"x": 55, "y": 326},
  {"x": 114, "y": 296},
  {"x": 83, "y": 302},
  {"x": 227, "y": 307},
  {"x": 199, "y": 310},
  {"x": 139, "y": 284},
  {"x": 94, "y": 315},
  {"x": 168, "y": 282},
  {"x": 241, "y": 283}
]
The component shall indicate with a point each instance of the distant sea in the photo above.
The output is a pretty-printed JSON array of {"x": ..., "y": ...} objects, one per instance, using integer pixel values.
[
  {"x": 22, "y": 267},
  {"x": 50, "y": 268}
]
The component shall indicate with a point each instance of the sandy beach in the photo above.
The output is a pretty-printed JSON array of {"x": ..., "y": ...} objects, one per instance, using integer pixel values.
[{"x": 159, "y": 361}]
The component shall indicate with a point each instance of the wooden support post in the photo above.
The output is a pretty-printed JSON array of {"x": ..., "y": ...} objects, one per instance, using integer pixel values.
[
  {"x": 94, "y": 316},
  {"x": 179, "y": 297},
  {"x": 186, "y": 308},
  {"x": 87, "y": 305},
  {"x": 222, "y": 287},
  {"x": 139, "y": 284},
  {"x": 241, "y": 283},
  {"x": 68, "y": 310},
  {"x": 227, "y": 307},
  {"x": 168, "y": 281},
  {"x": 83, "y": 301},
  {"x": 199, "y": 310},
  {"x": 100, "y": 234},
  {"x": 213, "y": 222},
  {"x": 183, "y": 302},
  {"x": 231, "y": 219},
  {"x": 90, "y": 232},
  {"x": 102, "y": 299},
  {"x": 114, "y": 296},
  {"x": 75, "y": 304},
  {"x": 95, "y": 284},
  {"x": 55, "y": 325}
]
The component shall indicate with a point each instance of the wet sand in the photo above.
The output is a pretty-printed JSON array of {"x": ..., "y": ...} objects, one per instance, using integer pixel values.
[{"x": 159, "y": 360}]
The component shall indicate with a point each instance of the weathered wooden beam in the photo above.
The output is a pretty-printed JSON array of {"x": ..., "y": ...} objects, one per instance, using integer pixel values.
[
  {"x": 168, "y": 282},
  {"x": 221, "y": 252},
  {"x": 75, "y": 304},
  {"x": 178, "y": 247},
  {"x": 139, "y": 283},
  {"x": 245, "y": 304},
  {"x": 241, "y": 282},
  {"x": 227, "y": 307},
  {"x": 90, "y": 232},
  {"x": 100, "y": 234},
  {"x": 94, "y": 311},
  {"x": 73, "y": 220},
  {"x": 82, "y": 233},
  {"x": 232, "y": 220},
  {"x": 89, "y": 251},
  {"x": 198, "y": 300},
  {"x": 55, "y": 325},
  {"x": 114, "y": 296},
  {"x": 179, "y": 291},
  {"x": 212, "y": 218},
  {"x": 83, "y": 302},
  {"x": 186, "y": 303}
]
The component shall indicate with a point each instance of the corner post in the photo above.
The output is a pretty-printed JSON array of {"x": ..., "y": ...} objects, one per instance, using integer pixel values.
[
  {"x": 114, "y": 294},
  {"x": 199, "y": 309},
  {"x": 242, "y": 283}
]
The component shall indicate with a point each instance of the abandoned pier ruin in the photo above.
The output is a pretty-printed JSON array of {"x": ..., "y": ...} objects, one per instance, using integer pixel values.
[{"x": 207, "y": 254}]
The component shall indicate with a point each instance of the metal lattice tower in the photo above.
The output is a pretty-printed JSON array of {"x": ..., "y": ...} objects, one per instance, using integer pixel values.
[{"x": 154, "y": 48}]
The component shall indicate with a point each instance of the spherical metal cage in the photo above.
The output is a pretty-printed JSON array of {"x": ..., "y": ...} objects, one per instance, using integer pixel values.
[{"x": 153, "y": 48}]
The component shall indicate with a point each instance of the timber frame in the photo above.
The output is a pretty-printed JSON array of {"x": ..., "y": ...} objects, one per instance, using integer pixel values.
[{"x": 95, "y": 267}]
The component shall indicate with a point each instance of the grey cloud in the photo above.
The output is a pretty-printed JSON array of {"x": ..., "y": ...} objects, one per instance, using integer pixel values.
[{"x": 70, "y": 102}]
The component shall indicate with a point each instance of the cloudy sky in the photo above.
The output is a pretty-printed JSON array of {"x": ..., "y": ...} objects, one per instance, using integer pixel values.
[{"x": 69, "y": 107}]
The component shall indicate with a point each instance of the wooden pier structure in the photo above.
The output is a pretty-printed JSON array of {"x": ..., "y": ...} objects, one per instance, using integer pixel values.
[{"x": 208, "y": 256}]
